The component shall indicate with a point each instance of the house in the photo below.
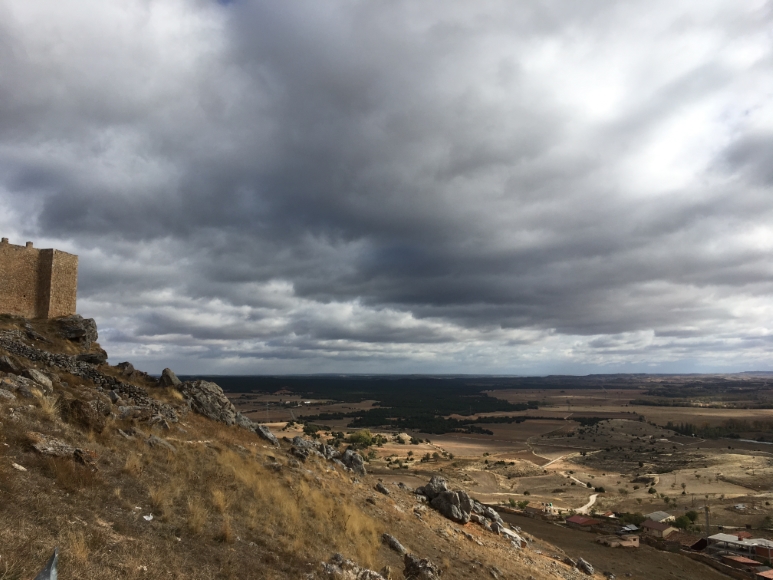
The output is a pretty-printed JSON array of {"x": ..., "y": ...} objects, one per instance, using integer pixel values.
[
  {"x": 628, "y": 529},
  {"x": 740, "y": 562},
  {"x": 684, "y": 541},
  {"x": 660, "y": 517},
  {"x": 657, "y": 529},
  {"x": 583, "y": 523},
  {"x": 624, "y": 541}
]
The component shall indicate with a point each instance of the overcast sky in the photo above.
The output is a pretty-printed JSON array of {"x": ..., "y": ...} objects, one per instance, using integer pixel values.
[{"x": 560, "y": 186}]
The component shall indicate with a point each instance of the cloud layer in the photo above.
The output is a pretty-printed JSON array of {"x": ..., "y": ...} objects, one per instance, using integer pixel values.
[{"x": 347, "y": 186}]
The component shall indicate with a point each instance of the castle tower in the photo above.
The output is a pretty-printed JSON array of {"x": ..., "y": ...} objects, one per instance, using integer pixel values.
[{"x": 37, "y": 283}]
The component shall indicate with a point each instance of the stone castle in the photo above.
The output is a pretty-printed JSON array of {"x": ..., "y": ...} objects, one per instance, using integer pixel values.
[{"x": 37, "y": 283}]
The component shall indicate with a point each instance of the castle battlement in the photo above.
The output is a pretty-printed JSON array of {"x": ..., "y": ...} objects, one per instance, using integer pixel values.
[{"x": 37, "y": 283}]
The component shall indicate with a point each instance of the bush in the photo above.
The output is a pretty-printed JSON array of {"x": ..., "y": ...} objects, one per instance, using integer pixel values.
[
  {"x": 682, "y": 522},
  {"x": 599, "y": 489},
  {"x": 692, "y": 515},
  {"x": 652, "y": 490},
  {"x": 361, "y": 439}
]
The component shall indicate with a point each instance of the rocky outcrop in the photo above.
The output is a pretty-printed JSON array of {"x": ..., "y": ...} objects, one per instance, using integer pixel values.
[
  {"x": 458, "y": 506},
  {"x": 436, "y": 486},
  {"x": 75, "y": 328},
  {"x": 585, "y": 566},
  {"x": 265, "y": 433},
  {"x": 10, "y": 365},
  {"x": 208, "y": 399},
  {"x": 169, "y": 379},
  {"x": 455, "y": 505},
  {"x": 41, "y": 379},
  {"x": 13, "y": 342},
  {"x": 95, "y": 357},
  {"x": 381, "y": 488},
  {"x": 341, "y": 569},
  {"x": 420, "y": 569},
  {"x": 354, "y": 461}
]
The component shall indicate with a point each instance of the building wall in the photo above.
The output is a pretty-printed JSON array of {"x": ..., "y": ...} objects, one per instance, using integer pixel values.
[{"x": 37, "y": 283}]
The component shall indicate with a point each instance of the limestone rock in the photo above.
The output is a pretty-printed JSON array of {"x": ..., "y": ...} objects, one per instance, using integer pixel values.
[
  {"x": 169, "y": 379},
  {"x": 419, "y": 569},
  {"x": 125, "y": 367},
  {"x": 47, "y": 445},
  {"x": 265, "y": 433},
  {"x": 207, "y": 399},
  {"x": 354, "y": 461},
  {"x": 7, "y": 395},
  {"x": 381, "y": 488},
  {"x": 41, "y": 379},
  {"x": 435, "y": 486},
  {"x": 154, "y": 441},
  {"x": 393, "y": 543},
  {"x": 454, "y": 505},
  {"x": 75, "y": 328},
  {"x": 95, "y": 357},
  {"x": 341, "y": 569},
  {"x": 585, "y": 566}
]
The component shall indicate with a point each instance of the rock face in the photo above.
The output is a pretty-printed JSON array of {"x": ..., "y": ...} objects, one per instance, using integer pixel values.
[
  {"x": 209, "y": 400},
  {"x": 419, "y": 569},
  {"x": 75, "y": 328},
  {"x": 169, "y": 379}
]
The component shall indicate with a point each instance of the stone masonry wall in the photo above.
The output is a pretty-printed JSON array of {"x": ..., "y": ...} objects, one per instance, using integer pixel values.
[{"x": 37, "y": 283}]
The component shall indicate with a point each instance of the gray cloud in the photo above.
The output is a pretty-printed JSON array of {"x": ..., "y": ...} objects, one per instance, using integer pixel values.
[{"x": 400, "y": 186}]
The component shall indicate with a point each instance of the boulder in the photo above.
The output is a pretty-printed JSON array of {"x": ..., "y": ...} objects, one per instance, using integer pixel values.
[
  {"x": 75, "y": 328},
  {"x": 419, "y": 569},
  {"x": 264, "y": 432},
  {"x": 41, "y": 379},
  {"x": 154, "y": 441},
  {"x": 393, "y": 543},
  {"x": 381, "y": 488},
  {"x": 169, "y": 379},
  {"x": 7, "y": 395},
  {"x": 435, "y": 486},
  {"x": 95, "y": 357},
  {"x": 125, "y": 367},
  {"x": 354, "y": 461},
  {"x": 585, "y": 566},
  {"x": 449, "y": 504},
  {"x": 47, "y": 445},
  {"x": 207, "y": 399}
]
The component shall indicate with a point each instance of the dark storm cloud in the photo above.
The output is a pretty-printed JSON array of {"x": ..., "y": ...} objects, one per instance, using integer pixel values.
[{"x": 400, "y": 185}]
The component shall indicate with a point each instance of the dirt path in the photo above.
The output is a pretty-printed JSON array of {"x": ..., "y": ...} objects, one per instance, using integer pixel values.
[{"x": 591, "y": 500}]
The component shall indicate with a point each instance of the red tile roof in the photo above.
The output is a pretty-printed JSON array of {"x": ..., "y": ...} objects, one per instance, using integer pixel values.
[
  {"x": 742, "y": 560},
  {"x": 582, "y": 521}
]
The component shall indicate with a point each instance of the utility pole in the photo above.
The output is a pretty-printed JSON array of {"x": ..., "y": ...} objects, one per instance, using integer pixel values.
[{"x": 706, "y": 509}]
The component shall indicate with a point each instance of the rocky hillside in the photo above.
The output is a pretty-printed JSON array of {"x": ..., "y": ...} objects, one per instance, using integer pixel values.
[{"x": 134, "y": 477}]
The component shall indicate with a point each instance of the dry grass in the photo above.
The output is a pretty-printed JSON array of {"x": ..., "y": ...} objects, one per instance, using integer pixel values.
[
  {"x": 197, "y": 516},
  {"x": 219, "y": 500},
  {"x": 132, "y": 465},
  {"x": 226, "y": 533}
]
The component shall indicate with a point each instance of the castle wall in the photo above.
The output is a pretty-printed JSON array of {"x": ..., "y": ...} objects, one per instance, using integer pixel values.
[{"x": 37, "y": 283}]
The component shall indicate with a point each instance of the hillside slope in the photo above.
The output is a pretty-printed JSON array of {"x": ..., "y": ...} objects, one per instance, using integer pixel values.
[{"x": 130, "y": 482}]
